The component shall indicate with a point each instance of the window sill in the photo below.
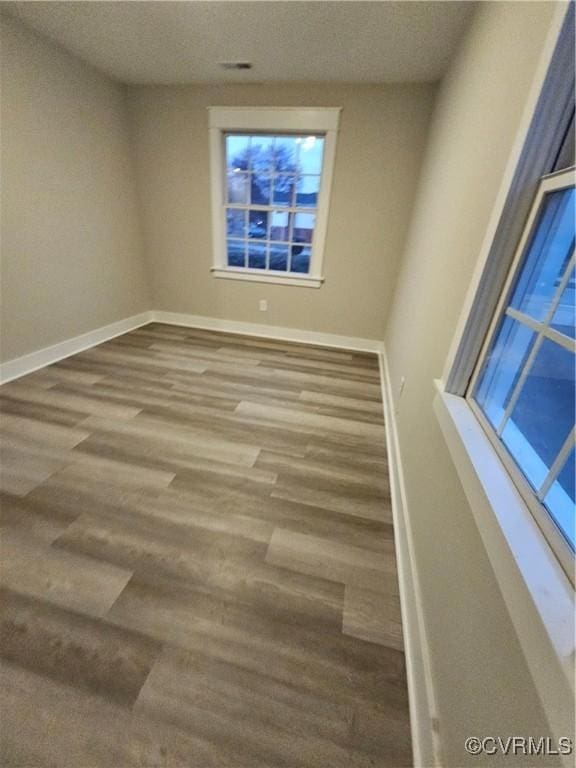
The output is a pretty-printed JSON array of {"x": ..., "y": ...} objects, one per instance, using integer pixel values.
[
  {"x": 256, "y": 276},
  {"x": 537, "y": 592}
]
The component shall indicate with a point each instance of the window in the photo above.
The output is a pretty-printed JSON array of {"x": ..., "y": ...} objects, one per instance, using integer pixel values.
[
  {"x": 271, "y": 174},
  {"x": 503, "y": 403},
  {"x": 272, "y": 189},
  {"x": 523, "y": 388}
]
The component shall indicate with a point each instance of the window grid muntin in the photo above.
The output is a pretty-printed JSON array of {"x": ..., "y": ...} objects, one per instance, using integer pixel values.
[
  {"x": 558, "y": 464},
  {"x": 543, "y": 330},
  {"x": 271, "y": 177},
  {"x": 291, "y": 210},
  {"x": 268, "y": 243}
]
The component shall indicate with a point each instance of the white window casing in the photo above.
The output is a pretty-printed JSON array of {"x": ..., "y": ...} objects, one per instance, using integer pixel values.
[
  {"x": 542, "y": 329},
  {"x": 276, "y": 120},
  {"x": 535, "y": 586}
]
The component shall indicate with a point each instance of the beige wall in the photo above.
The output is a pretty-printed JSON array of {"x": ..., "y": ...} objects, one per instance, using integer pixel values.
[
  {"x": 381, "y": 140},
  {"x": 71, "y": 240},
  {"x": 481, "y": 680}
]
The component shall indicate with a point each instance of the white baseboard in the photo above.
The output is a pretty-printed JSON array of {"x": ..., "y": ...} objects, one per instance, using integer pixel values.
[
  {"x": 423, "y": 713},
  {"x": 276, "y": 332},
  {"x": 20, "y": 366}
]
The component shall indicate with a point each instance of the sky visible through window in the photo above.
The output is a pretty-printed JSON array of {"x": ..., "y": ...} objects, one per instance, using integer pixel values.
[
  {"x": 272, "y": 189},
  {"x": 527, "y": 385}
]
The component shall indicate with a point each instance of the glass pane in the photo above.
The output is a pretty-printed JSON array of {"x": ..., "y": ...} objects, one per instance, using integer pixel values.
[
  {"x": 235, "y": 223},
  {"x": 544, "y": 412},
  {"x": 258, "y": 224},
  {"x": 502, "y": 367},
  {"x": 563, "y": 320},
  {"x": 284, "y": 190},
  {"x": 303, "y": 227},
  {"x": 311, "y": 153},
  {"x": 280, "y": 225},
  {"x": 260, "y": 189},
  {"x": 307, "y": 190},
  {"x": 560, "y": 500},
  {"x": 237, "y": 148},
  {"x": 236, "y": 253},
  {"x": 267, "y": 171},
  {"x": 238, "y": 188},
  {"x": 256, "y": 255},
  {"x": 300, "y": 258},
  {"x": 279, "y": 256},
  {"x": 286, "y": 154},
  {"x": 261, "y": 153},
  {"x": 548, "y": 254}
]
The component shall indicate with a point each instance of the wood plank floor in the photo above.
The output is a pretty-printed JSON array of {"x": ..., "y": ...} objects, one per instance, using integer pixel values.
[{"x": 197, "y": 559}]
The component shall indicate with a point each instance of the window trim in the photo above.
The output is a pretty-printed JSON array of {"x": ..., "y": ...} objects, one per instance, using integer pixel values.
[
  {"x": 552, "y": 182},
  {"x": 277, "y": 120},
  {"x": 534, "y": 155},
  {"x": 546, "y": 118},
  {"x": 538, "y": 594}
]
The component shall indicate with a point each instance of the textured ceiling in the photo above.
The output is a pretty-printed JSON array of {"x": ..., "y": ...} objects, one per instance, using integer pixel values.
[{"x": 183, "y": 42}]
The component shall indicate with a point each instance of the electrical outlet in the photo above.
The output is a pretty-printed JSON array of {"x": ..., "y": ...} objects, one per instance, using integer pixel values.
[
  {"x": 263, "y": 304},
  {"x": 401, "y": 387}
]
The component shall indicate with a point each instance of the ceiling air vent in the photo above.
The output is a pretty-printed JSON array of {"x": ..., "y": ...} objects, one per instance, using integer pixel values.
[{"x": 236, "y": 65}]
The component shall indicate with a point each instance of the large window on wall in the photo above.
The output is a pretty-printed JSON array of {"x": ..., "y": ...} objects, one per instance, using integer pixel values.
[
  {"x": 272, "y": 190},
  {"x": 271, "y": 178},
  {"x": 523, "y": 388}
]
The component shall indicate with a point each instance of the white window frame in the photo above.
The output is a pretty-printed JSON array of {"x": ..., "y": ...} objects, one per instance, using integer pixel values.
[
  {"x": 534, "y": 499},
  {"x": 537, "y": 591},
  {"x": 276, "y": 120}
]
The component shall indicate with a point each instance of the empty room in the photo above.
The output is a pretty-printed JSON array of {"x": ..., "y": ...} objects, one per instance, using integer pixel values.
[{"x": 287, "y": 402}]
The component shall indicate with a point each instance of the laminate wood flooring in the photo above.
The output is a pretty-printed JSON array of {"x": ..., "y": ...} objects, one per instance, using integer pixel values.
[{"x": 198, "y": 563}]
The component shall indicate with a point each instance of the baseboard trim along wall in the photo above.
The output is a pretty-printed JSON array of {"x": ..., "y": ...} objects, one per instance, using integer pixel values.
[
  {"x": 275, "y": 332},
  {"x": 424, "y": 722},
  {"x": 20, "y": 366}
]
